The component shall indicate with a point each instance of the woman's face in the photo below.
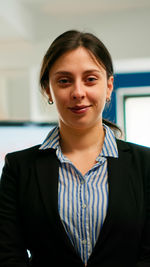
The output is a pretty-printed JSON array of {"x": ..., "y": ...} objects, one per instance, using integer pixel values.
[{"x": 79, "y": 87}]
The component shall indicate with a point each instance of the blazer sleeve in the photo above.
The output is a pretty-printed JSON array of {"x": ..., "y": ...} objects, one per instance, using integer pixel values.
[
  {"x": 12, "y": 248},
  {"x": 144, "y": 254}
]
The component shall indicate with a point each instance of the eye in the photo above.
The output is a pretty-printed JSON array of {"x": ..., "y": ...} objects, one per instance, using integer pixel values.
[
  {"x": 63, "y": 82},
  {"x": 91, "y": 80}
]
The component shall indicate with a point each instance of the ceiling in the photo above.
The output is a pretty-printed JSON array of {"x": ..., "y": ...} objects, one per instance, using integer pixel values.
[
  {"x": 27, "y": 27},
  {"x": 31, "y": 20}
]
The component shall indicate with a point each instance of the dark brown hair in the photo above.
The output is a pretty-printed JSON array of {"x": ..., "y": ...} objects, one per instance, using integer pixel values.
[{"x": 69, "y": 41}]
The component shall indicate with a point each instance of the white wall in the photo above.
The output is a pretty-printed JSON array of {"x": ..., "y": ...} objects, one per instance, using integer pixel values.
[{"x": 124, "y": 31}]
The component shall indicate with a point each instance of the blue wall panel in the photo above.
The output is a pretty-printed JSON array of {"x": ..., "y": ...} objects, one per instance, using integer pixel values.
[{"x": 123, "y": 80}]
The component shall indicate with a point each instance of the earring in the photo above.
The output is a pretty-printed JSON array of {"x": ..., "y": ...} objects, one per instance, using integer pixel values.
[
  {"x": 108, "y": 99},
  {"x": 50, "y": 102}
]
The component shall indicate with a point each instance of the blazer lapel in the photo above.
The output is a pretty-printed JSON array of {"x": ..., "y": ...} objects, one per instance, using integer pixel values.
[
  {"x": 47, "y": 166},
  {"x": 118, "y": 173},
  {"x": 47, "y": 174}
]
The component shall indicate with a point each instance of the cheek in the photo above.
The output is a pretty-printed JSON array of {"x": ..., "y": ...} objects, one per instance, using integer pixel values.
[
  {"x": 60, "y": 99},
  {"x": 98, "y": 96},
  {"x": 56, "y": 93}
]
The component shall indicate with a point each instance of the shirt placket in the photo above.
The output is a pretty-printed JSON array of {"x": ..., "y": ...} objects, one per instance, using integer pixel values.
[{"x": 84, "y": 219}]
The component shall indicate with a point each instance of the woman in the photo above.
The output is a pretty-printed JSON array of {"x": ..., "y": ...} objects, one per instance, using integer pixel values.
[{"x": 82, "y": 198}]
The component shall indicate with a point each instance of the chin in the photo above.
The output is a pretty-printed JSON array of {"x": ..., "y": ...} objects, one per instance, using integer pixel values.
[
  {"x": 82, "y": 126},
  {"x": 82, "y": 123}
]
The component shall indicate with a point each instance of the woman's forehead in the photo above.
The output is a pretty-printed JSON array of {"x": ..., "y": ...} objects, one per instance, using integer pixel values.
[{"x": 79, "y": 57}]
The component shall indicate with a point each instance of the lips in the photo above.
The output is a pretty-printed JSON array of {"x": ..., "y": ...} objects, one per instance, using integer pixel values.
[{"x": 80, "y": 109}]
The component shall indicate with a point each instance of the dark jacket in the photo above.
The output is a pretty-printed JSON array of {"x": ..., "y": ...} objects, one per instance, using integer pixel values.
[{"x": 29, "y": 217}]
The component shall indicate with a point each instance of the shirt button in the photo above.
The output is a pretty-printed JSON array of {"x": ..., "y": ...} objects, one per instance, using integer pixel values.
[
  {"x": 84, "y": 242},
  {"x": 84, "y": 206}
]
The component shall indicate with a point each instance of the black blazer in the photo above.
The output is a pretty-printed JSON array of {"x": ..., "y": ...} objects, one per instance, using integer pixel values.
[{"x": 29, "y": 217}]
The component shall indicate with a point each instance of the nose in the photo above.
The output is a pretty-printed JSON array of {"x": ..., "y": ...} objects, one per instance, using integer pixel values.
[{"x": 78, "y": 91}]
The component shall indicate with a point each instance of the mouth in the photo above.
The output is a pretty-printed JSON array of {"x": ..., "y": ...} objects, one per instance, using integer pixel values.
[{"x": 80, "y": 109}]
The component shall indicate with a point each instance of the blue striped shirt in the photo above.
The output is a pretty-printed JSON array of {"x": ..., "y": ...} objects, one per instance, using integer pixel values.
[{"x": 83, "y": 200}]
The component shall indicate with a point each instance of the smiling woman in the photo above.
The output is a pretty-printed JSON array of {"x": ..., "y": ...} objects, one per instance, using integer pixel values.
[
  {"x": 96, "y": 52},
  {"x": 82, "y": 198},
  {"x": 79, "y": 84}
]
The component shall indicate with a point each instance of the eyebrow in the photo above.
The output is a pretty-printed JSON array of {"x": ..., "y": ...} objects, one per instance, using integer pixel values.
[{"x": 68, "y": 73}]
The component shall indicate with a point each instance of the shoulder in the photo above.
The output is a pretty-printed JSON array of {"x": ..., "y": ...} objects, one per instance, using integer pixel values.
[
  {"x": 28, "y": 155},
  {"x": 138, "y": 159},
  {"x": 123, "y": 145},
  {"x": 28, "y": 152},
  {"x": 140, "y": 154},
  {"x": 21, "y": 163}
]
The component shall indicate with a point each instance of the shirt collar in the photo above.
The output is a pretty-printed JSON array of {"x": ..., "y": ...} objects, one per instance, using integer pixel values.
[
  {"x": 109, "y": 147},
  {"x": 52, "y": 139}
]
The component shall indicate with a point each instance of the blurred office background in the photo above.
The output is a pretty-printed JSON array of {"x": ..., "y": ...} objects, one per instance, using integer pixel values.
[{"x": 27, "y": 27}]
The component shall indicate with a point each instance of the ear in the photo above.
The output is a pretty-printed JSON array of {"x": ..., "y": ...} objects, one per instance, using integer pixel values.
[
  {"x": 48, "y": 92},
  {"x": 110, "y": 86}
]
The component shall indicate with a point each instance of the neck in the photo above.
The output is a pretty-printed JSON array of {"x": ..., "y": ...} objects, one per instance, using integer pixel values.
[{"x": 81, "y": 140}]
